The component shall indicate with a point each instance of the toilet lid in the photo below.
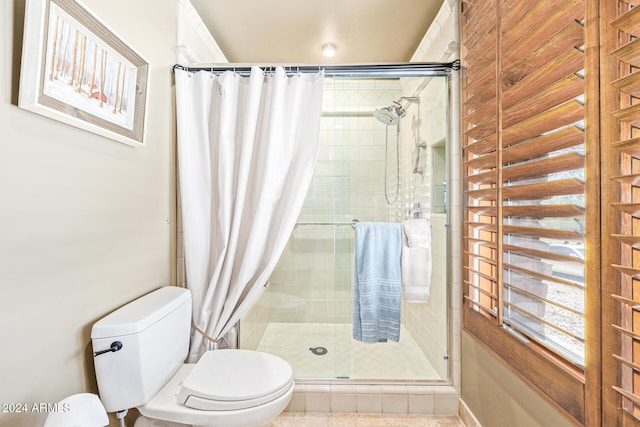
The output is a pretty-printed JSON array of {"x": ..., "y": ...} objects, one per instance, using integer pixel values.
[{"x": 235, "y": 379}]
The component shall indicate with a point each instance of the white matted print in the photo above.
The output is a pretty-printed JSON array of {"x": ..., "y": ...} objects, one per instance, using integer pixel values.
[{"x": 77, "y": 70}]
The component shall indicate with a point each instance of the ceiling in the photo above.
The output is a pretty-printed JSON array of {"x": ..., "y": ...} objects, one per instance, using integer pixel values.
[{"x": 293, "y": 31}]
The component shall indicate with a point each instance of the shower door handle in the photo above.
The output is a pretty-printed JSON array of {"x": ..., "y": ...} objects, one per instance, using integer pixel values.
[{"x": 416, "y": 158}]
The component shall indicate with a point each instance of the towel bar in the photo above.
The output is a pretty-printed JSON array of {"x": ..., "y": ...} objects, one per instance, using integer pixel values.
[{"x": 352, "y": 223}]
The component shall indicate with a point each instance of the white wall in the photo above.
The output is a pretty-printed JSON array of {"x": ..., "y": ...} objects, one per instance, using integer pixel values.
[
  {"x": 195, "y": 44},
  {"x": 87, "y": 222},
  {"x": 497, "y": 397}
]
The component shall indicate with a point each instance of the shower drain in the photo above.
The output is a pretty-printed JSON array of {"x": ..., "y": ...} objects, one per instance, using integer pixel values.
[{"x": 318, "y": 351}]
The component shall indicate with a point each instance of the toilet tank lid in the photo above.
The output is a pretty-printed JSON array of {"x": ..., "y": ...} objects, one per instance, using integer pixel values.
[{"x": 141, "y": 313}]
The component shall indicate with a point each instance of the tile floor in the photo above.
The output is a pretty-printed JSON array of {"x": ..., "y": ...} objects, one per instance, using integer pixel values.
[
  {"x": 345, "y": 357},
  {"x": 292, "y": 419}
]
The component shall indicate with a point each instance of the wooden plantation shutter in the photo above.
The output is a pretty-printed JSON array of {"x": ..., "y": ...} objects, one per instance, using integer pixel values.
[
  {"x": 526, "y": 212},
  {"x": 620, "y": 89}
]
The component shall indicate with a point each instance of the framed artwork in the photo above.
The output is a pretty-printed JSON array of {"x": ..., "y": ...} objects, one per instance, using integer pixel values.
[{"x": 75, "y": 69}]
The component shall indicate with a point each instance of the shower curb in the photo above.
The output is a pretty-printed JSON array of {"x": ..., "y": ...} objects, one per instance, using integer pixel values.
[{"x": 375, "y": 399}]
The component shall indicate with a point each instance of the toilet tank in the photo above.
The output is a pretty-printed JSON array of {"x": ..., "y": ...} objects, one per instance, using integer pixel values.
[{"x": 154, "y": 331}]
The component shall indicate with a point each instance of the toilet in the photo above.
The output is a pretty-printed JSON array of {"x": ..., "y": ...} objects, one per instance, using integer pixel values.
[{"x": 139, "y": 353}]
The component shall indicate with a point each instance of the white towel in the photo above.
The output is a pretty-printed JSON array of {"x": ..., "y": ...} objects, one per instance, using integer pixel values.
[
  {"x": 418, "y": 232},
  {"x": 416, "y": 260}
]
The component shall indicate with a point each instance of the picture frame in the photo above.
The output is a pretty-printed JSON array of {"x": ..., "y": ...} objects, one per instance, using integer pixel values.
[{"x": 77, "y": 70}]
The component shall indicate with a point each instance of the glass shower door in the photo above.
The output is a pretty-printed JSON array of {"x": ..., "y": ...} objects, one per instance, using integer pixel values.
[{"x": 309, "y": 303}]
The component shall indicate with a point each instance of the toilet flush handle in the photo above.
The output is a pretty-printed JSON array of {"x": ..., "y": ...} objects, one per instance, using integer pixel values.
[{"x": 115, "y": 346}]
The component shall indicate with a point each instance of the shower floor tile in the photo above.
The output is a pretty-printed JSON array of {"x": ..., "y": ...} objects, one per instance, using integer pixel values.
[{"x": 345, "y": 357}]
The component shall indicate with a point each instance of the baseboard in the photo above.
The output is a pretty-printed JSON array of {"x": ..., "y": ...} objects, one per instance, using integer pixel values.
[{"x": 467, "y": 417}]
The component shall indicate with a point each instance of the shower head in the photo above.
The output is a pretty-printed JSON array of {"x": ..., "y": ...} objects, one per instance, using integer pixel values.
[
  {"x": 390, "y": 115},
  {"x": 386, "y": 116}
]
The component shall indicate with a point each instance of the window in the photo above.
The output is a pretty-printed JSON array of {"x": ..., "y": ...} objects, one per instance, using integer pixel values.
[
  {"x": 551, "y": 108},
  {"x": 528, "y": 206}
]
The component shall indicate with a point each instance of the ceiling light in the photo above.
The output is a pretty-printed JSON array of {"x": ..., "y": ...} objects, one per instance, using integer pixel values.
[{"x": 329, "y": 49}]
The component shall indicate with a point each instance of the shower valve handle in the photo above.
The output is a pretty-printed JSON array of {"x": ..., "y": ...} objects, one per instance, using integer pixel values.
[{"x": 115, "y": 346}]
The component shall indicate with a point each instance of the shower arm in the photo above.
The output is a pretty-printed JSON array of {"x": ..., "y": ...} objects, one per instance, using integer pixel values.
[
  {"x": 405, "y": 101},
  {"x": 410, "y": 99}
]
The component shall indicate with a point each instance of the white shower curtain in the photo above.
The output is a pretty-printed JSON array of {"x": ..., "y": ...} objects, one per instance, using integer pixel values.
[{"x": 246, "y": 153}]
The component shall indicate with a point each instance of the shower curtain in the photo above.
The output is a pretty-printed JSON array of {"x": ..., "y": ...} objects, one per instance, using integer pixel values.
[{"x": 246, "y": 153}]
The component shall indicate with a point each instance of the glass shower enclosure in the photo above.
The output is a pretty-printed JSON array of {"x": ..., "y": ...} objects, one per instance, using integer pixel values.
[{"x": 382, "y": 157}]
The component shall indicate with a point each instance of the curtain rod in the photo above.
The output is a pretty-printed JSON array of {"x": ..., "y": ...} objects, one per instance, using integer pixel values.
[{"x": 400, "y": 69}]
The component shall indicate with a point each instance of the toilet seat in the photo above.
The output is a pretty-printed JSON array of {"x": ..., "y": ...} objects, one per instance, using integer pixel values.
[
  {"x": 225, "y": 380},
  {"x": 164, "y": 406}
]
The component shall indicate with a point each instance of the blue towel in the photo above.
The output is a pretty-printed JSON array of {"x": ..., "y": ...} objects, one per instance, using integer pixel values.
[{"x": 377, "y": 290}]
